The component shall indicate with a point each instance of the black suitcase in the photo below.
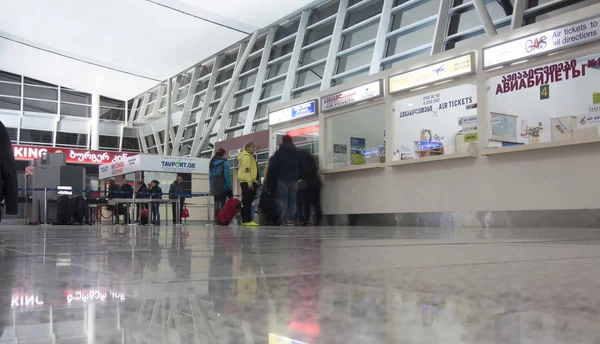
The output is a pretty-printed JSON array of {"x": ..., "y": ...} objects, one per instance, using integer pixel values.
[
  {"x": 78, "y": 208},
  {"x": 269, "y": 216},
  {"x": 62, "y": 210}
]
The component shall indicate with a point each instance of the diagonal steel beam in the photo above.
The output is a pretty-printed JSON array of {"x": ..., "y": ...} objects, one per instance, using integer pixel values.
[
  {"x": 334, "y": 46},
  {"x": 486, "y": 19},
  {"x": 205, "y": 108},
  {"x": 517, "y": 15},
  {"x": 382, "y": 30},
  {"x": 236, "y": 74},
  {"x": 185, "y": 114},
  {"x": 290, "y": 79},
  {"x": 134, "y": 106},
  {"x": 260, "y": 78},
  {"x": 168, "y": 126}
]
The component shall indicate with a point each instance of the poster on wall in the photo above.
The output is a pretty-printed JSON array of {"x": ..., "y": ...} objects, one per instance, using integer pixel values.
[
  {"x": 340, "y": 155},
  {"x": 357, "y": 148},
  {"x": 566, "y": 113},
  {"x": 436, "y": 123}
]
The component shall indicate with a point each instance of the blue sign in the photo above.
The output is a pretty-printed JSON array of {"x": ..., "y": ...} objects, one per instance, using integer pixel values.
[{"x": 302, "y": 110}]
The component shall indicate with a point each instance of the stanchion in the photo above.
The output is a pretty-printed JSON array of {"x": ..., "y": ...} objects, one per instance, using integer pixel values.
[
  {"x": 178, "y": 211},
  {"x": 45, "y": 206},
  {"x": 133, "y": 210},
  {"x": 208, "y": 208}
]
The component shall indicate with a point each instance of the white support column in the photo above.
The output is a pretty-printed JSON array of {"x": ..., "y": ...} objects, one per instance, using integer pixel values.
[
  {"x": 384, "y": 26},
  {"x": 121, "y": 137},
  {"x": 185, "y": 114},
  {"x": 142, "y": 138},
  {"x": 334, "y": 46},
  {"x": 160, "y": 92},
  {"x": 517, "y": 16},
  {"x": 159, "y": 147},
  {"x": 168, "y": 126},
  {"x": 441, "y": 27},
  {"x": 485, "y": 17},
  {"x": 95, "y": 122},
  {"x": 290, "y": 79},
  {"x": 230, "y": 101},
  {"x": 260, "y": 78},
  {"x": 144, "y": 105},
  {"x": 134, "y": 106},
  {"x": 236, "y": 74},
  {"x": 206, "y": 107}
]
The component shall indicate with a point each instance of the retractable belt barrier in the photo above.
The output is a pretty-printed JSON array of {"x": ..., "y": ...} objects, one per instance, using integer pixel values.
[{"x": 143, "y": 195}]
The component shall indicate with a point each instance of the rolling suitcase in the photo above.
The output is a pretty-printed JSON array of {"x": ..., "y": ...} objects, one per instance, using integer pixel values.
[
  {"x": 62, "y": 211},
  {"x": 230, "y": 209}
]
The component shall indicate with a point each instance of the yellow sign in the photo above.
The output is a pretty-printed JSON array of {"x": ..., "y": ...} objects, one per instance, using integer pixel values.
[
  {"x": 471, "y": 137},
  {"x": 448, "y": 69}
]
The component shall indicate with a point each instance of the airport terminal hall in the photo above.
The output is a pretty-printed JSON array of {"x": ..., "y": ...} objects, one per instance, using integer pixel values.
[{"x": 299, "y": 172}]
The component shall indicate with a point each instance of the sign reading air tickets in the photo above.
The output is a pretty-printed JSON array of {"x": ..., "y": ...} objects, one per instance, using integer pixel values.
[
  {"x": 578, "y": 33},
  {"x": 440, "y": 71},
  {"x": 355, "y": 95}
]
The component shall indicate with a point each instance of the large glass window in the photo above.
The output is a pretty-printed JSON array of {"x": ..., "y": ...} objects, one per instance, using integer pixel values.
[
  {"x": 435, "y": 123},
  {"x": 75, "y": 110},
  {"x": 9, "y": 77},
  {"x": 279, "y": 68},
  {"x": 545, "y": 103},
  {"x": 355, "y": 137},
  {"x": 71, "y": 139},
  {"x": 131, "y": 144},
  {"x": 36, "y": 136},
  {"x": 8, "y": 103},
  {"x": 308, "y": 76},
  {"x": 414, "y": 14},
  {"x": 355, "y": 59},
  {"x": 360, "y": 35},
  {"x": 362, "y": 13},
  {"x": 410, "y": 40},
  {"x": 32, "y": 105},
  {"x": 71, "y": 96},
  {"x": 108, "y": 142},
  {"x": 8, "y": 89}
]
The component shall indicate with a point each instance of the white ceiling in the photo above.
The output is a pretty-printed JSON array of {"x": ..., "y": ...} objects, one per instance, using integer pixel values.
[{"x": 121, "y": 48}]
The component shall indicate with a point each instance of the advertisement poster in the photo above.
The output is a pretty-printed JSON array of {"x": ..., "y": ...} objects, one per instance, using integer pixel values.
[
  {"x": 349, "y": 97},
  {"x": 357, "y": 147}
]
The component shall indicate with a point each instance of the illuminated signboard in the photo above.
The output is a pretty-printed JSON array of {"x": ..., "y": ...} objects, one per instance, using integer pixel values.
[
  {"x": 440, "y": 71},
  {"x": 294, "y": 112},
  {"x": 355, "y": 95},
  {"x": 578, "y": 33},
  {"x": 78, "y": 156}
]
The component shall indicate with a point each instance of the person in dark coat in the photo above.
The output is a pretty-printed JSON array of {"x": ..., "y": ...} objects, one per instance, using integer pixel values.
[
  {"x": 176, "y": 191},
  {"x": 126, "y": 192},
  {"x": 142, "y": 192},
  {"x": 285, "y": 167},
  {"x": 9, "y": 192},
  {"x": 156, "y": 194},
  {"x": 309, "y": 190},
  {"x": 219, "y": 180}
]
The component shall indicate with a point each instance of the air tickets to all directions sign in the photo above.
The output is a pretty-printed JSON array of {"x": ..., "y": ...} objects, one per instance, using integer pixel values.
[
  {"x": 574, "y": 34},
  {"x": 349, "y": 97},
  {"x": 294, "y": 112},
  {"x": 448, "y": 69}
]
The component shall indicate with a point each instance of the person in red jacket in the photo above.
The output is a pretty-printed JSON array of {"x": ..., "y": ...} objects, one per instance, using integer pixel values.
[{"x": 9, "y": 186}]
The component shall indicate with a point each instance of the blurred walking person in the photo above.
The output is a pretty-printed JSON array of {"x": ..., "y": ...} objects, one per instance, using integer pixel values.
[
  {"x": 156, "y": 193},
  {"x": 219, "y": 180},
  {"x": 309, "y": 191},
  {"x": 285, "y": 167}
]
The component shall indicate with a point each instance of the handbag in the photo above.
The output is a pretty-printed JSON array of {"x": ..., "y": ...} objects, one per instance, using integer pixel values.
[{"x": 185, "y": 213}]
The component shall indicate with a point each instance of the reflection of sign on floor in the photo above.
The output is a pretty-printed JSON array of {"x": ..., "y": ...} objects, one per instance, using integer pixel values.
[{"x": 277, "y": 339}]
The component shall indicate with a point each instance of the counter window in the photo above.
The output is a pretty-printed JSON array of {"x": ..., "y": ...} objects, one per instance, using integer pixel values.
[
  {"x": 356, "y": 137},
  {"x": 436, "y": 123},
  {"x": 547, "y": 103}
]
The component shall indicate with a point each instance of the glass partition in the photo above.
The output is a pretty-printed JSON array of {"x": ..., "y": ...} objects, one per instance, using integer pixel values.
[
  {"x": 436, "y": 123},
  {"x": 356, "y": 137},
  {"x": 547, "y": 103}
]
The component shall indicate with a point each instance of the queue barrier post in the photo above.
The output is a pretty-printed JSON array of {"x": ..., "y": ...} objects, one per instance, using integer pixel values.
[{"x": 45, "y": 206}]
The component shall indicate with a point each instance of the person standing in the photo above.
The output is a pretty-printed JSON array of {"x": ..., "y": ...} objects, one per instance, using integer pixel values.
[
  {"x": 142, "y": 192},
  {"x": 126, "y": 192},
  {"x": 285, "y": 167},
  {"x": 248, "y": 177},
  {"x": 310, "y": 190},
  {"x": 156, "y": 193},
  {"x": 219, "y": 180},
  {"x": 9, "y": 193},
  {"x": 176, "y": 191}
]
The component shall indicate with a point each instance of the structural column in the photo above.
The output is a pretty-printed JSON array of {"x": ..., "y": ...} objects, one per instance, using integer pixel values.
[
  {"x": 167, "y": 148},
  {"x": 95, "y": 122}
]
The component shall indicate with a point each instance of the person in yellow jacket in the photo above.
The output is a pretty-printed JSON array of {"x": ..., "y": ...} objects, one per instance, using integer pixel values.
[{"x": 248, "y": 177}]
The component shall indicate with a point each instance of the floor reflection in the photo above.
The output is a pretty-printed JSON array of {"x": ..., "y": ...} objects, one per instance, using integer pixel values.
[{"x": 227, "y": 285}]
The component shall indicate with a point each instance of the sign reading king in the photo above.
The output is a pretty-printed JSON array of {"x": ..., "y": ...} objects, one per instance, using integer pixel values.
[{"x": 77, "y": 156}]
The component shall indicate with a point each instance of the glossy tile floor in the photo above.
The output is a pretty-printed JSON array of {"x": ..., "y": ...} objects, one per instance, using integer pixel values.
[{"x": 204, "y": 284}]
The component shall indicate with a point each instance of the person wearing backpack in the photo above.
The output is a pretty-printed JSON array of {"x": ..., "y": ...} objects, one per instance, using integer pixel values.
[{"x": 219, "y": 180}]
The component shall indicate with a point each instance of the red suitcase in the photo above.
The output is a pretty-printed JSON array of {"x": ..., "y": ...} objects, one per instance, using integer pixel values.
[{"x": 230, "y": 209}]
